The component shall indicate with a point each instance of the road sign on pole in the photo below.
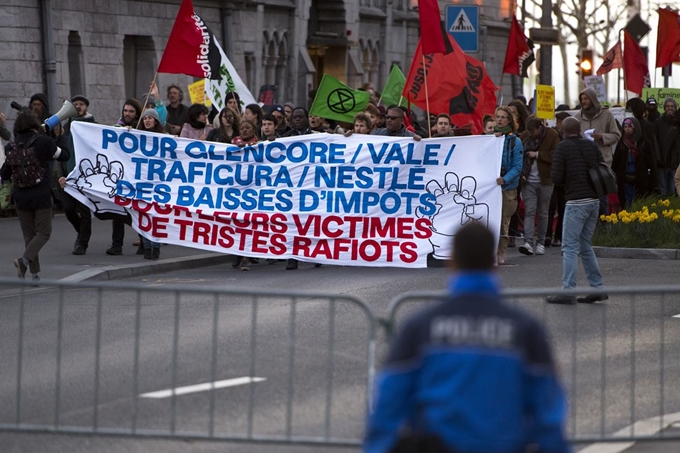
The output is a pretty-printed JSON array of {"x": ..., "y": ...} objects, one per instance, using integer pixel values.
[{"x": 462, "y": 22}]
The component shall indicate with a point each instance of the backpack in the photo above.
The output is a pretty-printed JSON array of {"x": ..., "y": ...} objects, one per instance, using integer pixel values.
[{"x": 27, "y": 170}]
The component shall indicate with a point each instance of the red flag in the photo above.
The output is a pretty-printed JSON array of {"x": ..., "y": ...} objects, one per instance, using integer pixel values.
[
  {"x": 457, "y": 84},
  {"x": 191, "y": 47},
  {"x": 613, "y": 59},
  {"x": 520, "y": 52},
  {"x": 668, "y": 38},
  {"x": 634, "y": 65},
  {"x": 431, "y": 35}
]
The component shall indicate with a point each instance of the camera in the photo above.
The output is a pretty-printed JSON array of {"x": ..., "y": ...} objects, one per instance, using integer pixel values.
[{"x": 16, "y": 106}]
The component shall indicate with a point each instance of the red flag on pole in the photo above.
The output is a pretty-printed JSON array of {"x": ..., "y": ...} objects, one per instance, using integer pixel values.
[
  {"x": 520, "y": 52},
  {"x": 668, "y": 38},
  {"x": 634, "y": 65},
  {"x": 613, "y": 59},
  {"x": 191, "y": 47},
  {"x": 457, "y": 85},
  {"x": 431, "y": 35}
]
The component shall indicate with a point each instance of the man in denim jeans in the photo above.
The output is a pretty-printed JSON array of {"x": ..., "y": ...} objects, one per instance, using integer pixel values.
[{"x": 570, "y": 169}]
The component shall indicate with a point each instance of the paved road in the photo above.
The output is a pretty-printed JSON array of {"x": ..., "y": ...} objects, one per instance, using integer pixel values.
[{"x": 619, "y": 318}]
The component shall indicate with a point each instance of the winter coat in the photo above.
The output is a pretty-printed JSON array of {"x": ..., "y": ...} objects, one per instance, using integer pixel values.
[
  {"x": 570, "y": 168},
  {"x": 602, "y": 121}
]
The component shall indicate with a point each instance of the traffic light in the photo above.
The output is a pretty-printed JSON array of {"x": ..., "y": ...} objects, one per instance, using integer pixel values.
[{"x": 585, "y": 63}]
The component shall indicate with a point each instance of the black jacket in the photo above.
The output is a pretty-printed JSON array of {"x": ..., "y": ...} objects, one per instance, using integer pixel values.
[
  {"x": 40, "y": 196},
  {"x": 570, "y": 167},
  {"x": 668, "y": 135}
]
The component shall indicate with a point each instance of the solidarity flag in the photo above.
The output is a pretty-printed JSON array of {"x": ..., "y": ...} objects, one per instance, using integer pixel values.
[
  {"x": 191, "y": 47},
  {"x": 634, "y": 65},
  {"x": 391, "y": 94},
  {"x": 457, "y": 84},
  {"x": 362, "y": 200},
  {"x": 613, "y": 59},
  {"x": 216, "y": 90},
  {"x": 336, "y": 101},
  {"x": 520, "y": 52},
  {"x": 668, "y": 38},
  {"x": 431, "y": 33}
]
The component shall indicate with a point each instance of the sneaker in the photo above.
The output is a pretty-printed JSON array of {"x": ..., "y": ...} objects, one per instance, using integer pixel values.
[
  {"x": 318, "y": 264},
  {"x": 292, "y": 264},
  {"x": 137, "y": 242},
  {"x": 21, "y": 267},
  {"x": 540, "y": 249},
  {"x": 500, "y": 260},
  {"x": 561, "y": 299},
  {"x": 78, "y": 250},
  {"x": 556, "y": 243},
  {"x": 590, "y": 298},
  {"x": 147, "y": 254},
  {"x": 547, "y": 243},
  {"x": 35, "y": 280},
  {"x": 155, "y": 254},
  {"x": 527, "y": 249},
  {"x": 114, "y": 250},
  {"x": 245, "y": 264}
]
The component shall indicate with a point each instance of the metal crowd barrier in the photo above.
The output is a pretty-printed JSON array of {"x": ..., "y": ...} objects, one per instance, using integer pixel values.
[
  {"x": 180, "y": 362},
  {"x": 144, "y": 361},
  {"x": 619, "y": 360}
]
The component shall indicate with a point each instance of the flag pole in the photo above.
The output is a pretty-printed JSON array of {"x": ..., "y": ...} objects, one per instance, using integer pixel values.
[
  {"x": 500, "y": 90},
  {"x": 153, "y": 82},
  {"x": 427, "y": 100},
  {"x": 401, "y": 98}
]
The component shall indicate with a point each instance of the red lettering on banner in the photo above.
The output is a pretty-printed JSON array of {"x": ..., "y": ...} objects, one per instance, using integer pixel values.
[
  {"x": 409, "y": 252},
  {"x": 325, "y": 226},
  {"x": 183, "y": 224},
  {"x": 301, "y": 246},
  {"x": 260, "y": 242},
  {"x": 201, "y": 231},
  {"x": 278, "y": 245},
  {"x": 423, "y": 229},
  {"x": 159, "y": 226}
]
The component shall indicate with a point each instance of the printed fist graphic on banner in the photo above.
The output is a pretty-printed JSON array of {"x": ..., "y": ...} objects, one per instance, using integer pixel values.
[
  {"x": 456, "y": 206},
  {"x": 101, "y": 178}
]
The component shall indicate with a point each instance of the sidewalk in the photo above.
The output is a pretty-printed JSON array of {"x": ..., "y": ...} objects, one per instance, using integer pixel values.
[{"x": 58, "y": 263}]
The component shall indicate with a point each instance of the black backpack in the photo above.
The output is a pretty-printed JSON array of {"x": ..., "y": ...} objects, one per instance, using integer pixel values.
[{"x": 27, "y": 170}]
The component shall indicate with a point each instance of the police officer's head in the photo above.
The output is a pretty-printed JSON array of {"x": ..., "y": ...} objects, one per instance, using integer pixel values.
[{"x": 473, "y": 248}]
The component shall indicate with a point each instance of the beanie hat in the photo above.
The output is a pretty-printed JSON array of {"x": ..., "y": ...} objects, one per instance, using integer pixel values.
[
  {"x": 151, "y": 112},
  {"x": 81, "y": 98},
  {"x": 289, "y": 104},
  {"x": 40, "y": 97},
  {"x": 571, "y": 124}
]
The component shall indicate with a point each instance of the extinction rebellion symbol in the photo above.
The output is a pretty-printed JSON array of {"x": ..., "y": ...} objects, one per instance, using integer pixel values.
[{"x": 341, "y": 101}]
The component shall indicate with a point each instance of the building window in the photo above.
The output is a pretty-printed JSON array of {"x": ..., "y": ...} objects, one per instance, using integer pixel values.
[
  {"x": 76, "y": 70},
  {"x": 139, "y": 63}
]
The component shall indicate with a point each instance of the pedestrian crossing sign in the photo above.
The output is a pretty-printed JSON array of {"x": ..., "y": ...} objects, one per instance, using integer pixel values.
[{"x": 462, "y": 23}]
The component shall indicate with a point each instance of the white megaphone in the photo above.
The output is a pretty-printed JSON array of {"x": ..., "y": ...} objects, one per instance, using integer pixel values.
[{"x": 67, "y": 110}]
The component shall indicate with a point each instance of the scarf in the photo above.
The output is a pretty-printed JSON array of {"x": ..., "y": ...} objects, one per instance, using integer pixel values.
[
  {"x": 633, "y": 148},
  {"x": 196, "y": 124},
  {"x": 533, "y": 143},
  {"x": 589, "y": 113},
  {"x": 504, "y": 130}
]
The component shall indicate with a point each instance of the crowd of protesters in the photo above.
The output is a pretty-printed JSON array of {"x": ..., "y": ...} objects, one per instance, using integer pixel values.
[{"x": 643, "y": 151}]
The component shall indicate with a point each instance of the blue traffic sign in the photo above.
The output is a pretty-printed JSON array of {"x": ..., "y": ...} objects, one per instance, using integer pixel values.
[{"x": 462, "y": 22}]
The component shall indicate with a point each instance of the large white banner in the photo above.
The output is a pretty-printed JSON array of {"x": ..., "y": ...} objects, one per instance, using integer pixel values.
[{"x": 363, "y": 200}]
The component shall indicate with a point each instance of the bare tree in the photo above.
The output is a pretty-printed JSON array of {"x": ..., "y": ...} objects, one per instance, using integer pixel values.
[{"x": 578, "y": 21}]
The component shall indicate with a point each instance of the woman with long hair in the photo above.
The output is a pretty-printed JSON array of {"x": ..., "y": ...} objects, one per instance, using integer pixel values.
[
  {"x": 229, "y": 126},
  {"x": 511, "y": 170},
  {"x": 197, "y": 126},
  {"x": 520, "y": 115},
  {"x": 151, "y": 122}
]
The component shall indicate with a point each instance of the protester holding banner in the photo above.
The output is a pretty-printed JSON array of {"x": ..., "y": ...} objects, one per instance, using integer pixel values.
[
  {"x": 129, "y": 117},
  {"x": 269, "y": 127},
  {"x": 28, "y": 166},
  {"x": 394, "y": 125},
  {"x": 197, "y": 127},
  {"x": 634, "y": 164},
  {"x": 511, "y": 170},
  {"x": 230, "y": 126},
  {"x": 151, "y": 122},
  {"x": 362, "y": 124}
]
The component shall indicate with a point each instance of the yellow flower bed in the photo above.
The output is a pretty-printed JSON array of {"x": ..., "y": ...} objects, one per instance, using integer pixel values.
[{"x": 648, "y": 223}]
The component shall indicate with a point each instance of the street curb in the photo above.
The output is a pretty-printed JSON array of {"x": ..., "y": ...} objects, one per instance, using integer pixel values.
[
  {"x": 633, "y": 253},
  {"x": 146, "y": 268}
]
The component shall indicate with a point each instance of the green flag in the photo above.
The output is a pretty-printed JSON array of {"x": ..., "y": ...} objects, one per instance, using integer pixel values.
[
  {"x": 336, "y": 101},
  {"x": 391, "y": 95}
]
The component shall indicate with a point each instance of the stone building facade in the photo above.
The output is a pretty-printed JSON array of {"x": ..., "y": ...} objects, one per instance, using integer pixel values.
[{"x": 108, "y": 50}]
